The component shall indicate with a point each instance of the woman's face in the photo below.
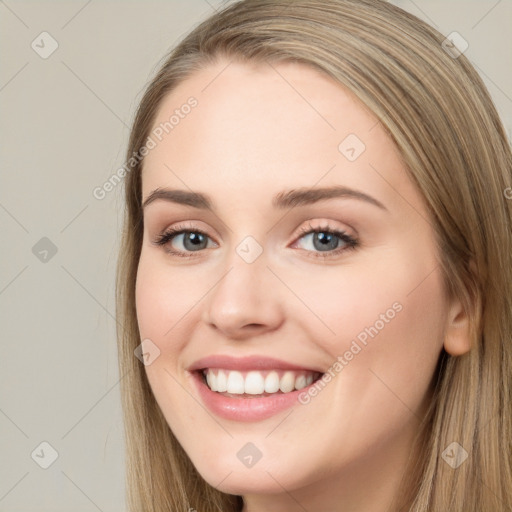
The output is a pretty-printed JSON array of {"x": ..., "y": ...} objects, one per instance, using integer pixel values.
[{"x": 281, "y": 152}]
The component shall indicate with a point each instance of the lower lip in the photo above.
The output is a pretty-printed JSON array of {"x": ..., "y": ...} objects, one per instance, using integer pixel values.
[{"x": 246, "y": 409}]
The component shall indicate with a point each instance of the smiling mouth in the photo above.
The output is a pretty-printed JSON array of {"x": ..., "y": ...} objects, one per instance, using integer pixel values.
[{"x": 256, "y": 383}]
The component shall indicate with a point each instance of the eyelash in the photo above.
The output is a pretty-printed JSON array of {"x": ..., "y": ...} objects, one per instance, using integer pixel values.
[{"x": 351, "y": 242}]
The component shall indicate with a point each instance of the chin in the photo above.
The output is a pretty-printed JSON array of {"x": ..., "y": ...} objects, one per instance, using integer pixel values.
[{"x": 232, "y": 477}]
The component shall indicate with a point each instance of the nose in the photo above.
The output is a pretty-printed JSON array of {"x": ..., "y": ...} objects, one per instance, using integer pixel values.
[{"x": 246, "y": 301}]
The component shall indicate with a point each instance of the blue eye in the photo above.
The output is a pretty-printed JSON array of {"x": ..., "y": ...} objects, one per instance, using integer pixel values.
[
  {"x": 327, "y": 241},
  {"x": 192, "y": 240},
  {"x": 324, "y": 242}
]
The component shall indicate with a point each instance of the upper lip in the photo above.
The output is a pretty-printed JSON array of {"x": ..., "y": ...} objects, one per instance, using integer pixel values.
[{"x": 246, "y": 363}]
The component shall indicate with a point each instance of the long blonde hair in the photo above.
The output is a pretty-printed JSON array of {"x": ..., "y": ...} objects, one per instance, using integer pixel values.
[{"x": 439, "y": 114}]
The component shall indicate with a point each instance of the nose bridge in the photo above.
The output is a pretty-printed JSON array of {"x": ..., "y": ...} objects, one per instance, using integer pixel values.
[{"x": 244, "y": 296}]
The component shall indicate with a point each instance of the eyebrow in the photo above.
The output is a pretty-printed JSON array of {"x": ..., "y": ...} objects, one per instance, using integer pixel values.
[{"x": 286, "y": 199}]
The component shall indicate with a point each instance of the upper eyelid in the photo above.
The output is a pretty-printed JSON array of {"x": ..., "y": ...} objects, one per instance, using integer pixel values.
[{"x": 324, "y": 224}]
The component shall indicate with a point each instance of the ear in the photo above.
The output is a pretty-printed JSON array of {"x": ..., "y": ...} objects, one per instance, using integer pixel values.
[{"x": 457, "y": 339}]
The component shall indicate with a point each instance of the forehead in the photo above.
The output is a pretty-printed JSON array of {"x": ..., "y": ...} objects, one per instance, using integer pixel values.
[{"x": 257, "y": 125}]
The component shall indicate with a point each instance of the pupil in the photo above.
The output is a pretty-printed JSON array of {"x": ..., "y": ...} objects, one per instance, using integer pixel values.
[
  {"x": 195, "y": 239},
  {"x": 325, "y": 239}
]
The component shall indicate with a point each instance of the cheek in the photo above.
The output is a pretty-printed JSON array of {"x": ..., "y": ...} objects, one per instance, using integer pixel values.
[
  {"x": 163, "y": 304},
  {"x": 401, "y": 305},
  {"x": 162, "y": 301},
  {"x": 387, "y": 332},
  {"x": 390, "y": 315}
]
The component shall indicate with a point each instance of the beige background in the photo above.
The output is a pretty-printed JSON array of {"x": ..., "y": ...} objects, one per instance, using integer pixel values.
[{"x": 64, "y": 127}]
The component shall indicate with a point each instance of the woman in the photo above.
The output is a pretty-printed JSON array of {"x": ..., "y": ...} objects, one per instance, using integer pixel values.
[{"x": 315, "y": 273}]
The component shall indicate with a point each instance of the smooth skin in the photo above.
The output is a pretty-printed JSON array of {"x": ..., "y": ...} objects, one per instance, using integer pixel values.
[{"x": 259, "y": 130}]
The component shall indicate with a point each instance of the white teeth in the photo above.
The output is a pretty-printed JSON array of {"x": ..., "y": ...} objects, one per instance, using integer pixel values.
[
  {"x": 300, "y": 382},
  {"x": 272, "y": 382},
  {"x": 256, "y": 382},
  {"x": 287, "y": 382},
  {"x": 211, "y": 379},
  {"x": 222, "y": 382},
  {"x": 235, "y": 383}
]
